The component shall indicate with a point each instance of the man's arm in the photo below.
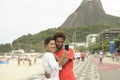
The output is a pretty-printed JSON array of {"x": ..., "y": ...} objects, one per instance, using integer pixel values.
[{"x": 66, "y": 60}]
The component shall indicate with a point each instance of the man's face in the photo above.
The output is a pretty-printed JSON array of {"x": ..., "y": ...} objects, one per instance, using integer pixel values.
[{"x": 59, "y": 43}]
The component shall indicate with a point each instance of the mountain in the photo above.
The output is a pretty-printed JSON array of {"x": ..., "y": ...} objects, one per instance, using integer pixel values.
[
  {"x": 88, "y": 13},
  {"x": 89, "y": 18}
]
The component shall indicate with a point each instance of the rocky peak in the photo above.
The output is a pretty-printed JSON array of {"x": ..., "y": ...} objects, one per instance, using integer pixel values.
[{"x": 87, "y": 13}]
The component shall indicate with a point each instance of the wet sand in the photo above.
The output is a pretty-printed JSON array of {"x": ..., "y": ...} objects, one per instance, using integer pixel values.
[{"x": 13, "y": 71}]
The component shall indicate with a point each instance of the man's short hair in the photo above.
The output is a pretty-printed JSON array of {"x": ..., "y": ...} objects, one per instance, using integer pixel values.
[{"x": 59, "y": 34}]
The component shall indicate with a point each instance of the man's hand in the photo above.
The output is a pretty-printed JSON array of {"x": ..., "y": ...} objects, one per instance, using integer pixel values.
[
  {"x": 65, "y": 53},
  {"x": 47, "y": 75}
]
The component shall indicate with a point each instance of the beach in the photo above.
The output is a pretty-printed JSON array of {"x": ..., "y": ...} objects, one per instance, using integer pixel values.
[{"x": 13, "y": 71}]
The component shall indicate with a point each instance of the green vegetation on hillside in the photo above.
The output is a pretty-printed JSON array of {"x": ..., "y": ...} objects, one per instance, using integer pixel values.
[{"x": 35, "y": 42}]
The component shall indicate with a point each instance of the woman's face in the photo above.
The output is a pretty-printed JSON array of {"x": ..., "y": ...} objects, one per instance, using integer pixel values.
[{"x": 51, "y": 47}]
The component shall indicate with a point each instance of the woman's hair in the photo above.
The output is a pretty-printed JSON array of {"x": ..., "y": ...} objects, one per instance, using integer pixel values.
[
  {"x": 48, "y": 39},
  {"x": 59, "y": 34}
]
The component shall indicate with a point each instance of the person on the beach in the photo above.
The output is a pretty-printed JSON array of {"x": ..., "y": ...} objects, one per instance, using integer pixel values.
[{"x": 50, "y": 64}]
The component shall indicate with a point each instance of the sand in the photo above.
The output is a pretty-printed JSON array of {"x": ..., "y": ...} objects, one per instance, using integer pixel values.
[{"x": 13, "y": 71}]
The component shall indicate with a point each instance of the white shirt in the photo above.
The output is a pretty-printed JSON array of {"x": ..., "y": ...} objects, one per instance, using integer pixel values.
[
  {"x": 51, "y": 66},
  {"x": 101, "y": 54}
]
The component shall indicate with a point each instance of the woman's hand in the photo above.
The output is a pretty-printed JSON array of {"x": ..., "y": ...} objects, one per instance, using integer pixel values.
[
  {"x": 47, "y": 75},
  {"x": 52, "y": 50}
]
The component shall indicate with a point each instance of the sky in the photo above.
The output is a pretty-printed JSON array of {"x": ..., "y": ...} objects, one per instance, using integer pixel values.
[{"x": 21, "y": 17}]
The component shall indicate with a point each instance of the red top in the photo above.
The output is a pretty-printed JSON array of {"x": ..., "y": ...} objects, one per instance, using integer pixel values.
[
  {"x": 82, "y": 54},
  {"x": 67, "y": 71}
]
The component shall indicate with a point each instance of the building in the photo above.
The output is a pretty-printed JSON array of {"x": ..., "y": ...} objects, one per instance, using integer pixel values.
[
  {"x": 109, "y": 34},
  {"x": 18, "y": 51},
  {"x": 91, "y": 39}
]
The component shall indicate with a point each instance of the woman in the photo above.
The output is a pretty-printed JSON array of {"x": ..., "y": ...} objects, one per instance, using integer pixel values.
[{"x": 50, "y": 65}]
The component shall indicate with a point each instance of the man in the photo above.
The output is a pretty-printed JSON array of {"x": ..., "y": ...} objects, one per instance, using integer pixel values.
[
  {"x": 83, "y": 55},
  {"x": 67, "y": 67},
  {"x": 101, "y": 56}
]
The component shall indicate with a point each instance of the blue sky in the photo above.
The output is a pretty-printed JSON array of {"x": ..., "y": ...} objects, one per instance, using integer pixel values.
[{"x": 20, "y": 17}]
